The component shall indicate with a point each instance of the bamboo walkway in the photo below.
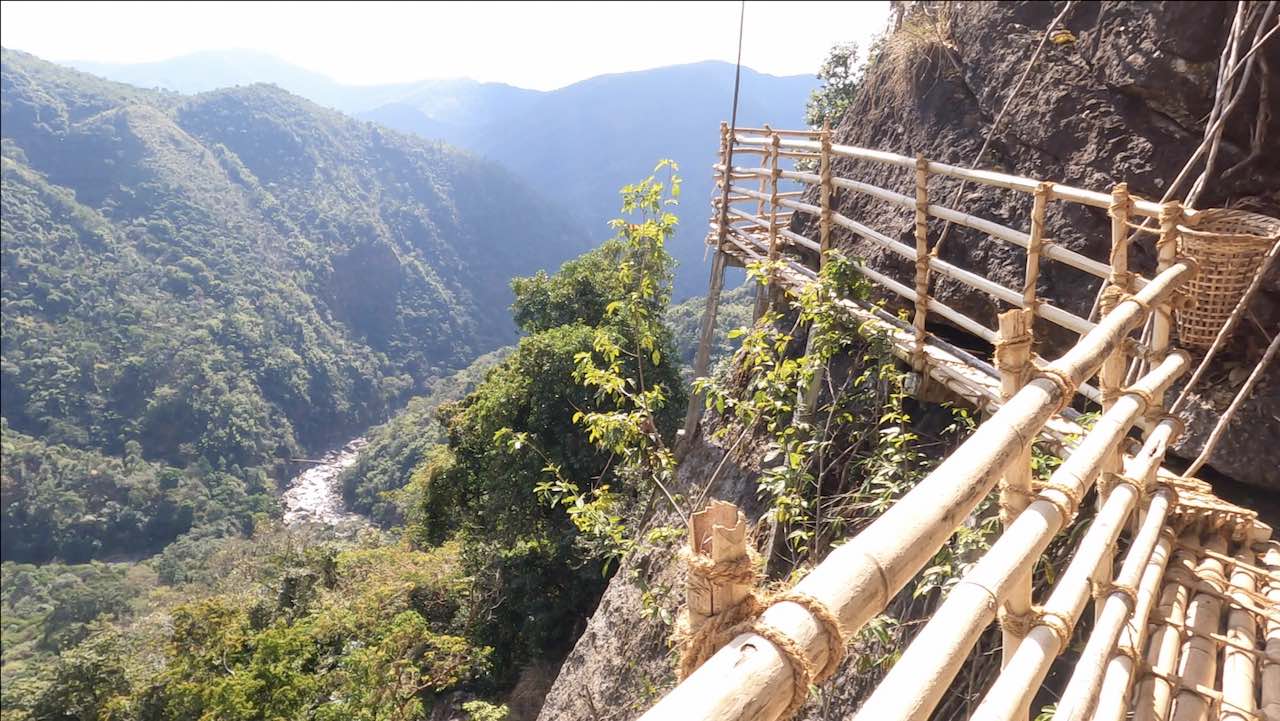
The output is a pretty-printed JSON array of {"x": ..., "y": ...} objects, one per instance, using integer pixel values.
[{"x": 1185, "y": 588}]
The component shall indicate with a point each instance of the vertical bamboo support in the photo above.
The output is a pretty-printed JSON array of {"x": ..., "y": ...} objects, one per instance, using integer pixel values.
[
  {"x": 1151, "y": 703},
  {"x": 1111, "y": 377},
  {"x": 1271, "y": 669},
  {"x": 1166, "y": 254},
  {"x": 825, "y": 196},
  {"x": 1013, "y": 357},
  {"x": 1039, "y": 207},
  {"x": 765, "y": 300},
  {"x": 922, "y": 264},
  {"x": 717, "y": 534},
  {"x": 1199, "y": 663},
  {"x": 707, "y": 332},
  {"x": 1239, "y": 667},
  {"x": 702, "y": 359},
  {"x": 807, "y": 401}
]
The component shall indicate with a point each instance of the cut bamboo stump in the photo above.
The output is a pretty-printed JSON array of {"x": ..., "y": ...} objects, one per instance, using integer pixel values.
[{"x": 719, "y": 534}]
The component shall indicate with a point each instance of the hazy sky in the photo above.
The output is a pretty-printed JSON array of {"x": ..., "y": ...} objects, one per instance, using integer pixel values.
[{"x": 540, "y": 45}]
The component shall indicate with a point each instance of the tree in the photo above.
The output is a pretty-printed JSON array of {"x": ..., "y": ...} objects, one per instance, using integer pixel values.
[{"x": 841, "y": 74}]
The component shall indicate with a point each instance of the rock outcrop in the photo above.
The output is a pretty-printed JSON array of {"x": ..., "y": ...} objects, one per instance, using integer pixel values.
[{"x": 1122, "y": 98}]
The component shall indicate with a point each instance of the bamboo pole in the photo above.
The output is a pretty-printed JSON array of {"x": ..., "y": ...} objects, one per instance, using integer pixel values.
[
  {"x": 1112, "y": 375},
  {"x": 765, "y": 295},
  {"x": 1271, "y": 670},
  {"x": 1199, "y": 662},
  {"x": 1240, "y": 669},
  {"x": 1035, "y": 240},
  {"x": 825, "y": 195},
  {"x": 1017, "y": 684},
  {"x": 1013, "y": 356},
  {"x": 1113, "y": 697},
  {"x": 751, "y": 679},
  {"x": 761, "y": 197},
  {"x": 702, "y": 359},
  {"x": 1166, "y": 253},
  {"x": 718, "y": 533},
  {"x": 1224, "y": 420},
  {"x": 1144, "y": 208},
  {"x": 1120, "y": 602},
  {"x": 914, "y": 685},
  {"x": 1151, "y": 703},
  {"x": 921, "y": 261}
]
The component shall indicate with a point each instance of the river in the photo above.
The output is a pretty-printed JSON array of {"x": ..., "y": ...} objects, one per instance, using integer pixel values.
[{"x": 315, "y": 495}]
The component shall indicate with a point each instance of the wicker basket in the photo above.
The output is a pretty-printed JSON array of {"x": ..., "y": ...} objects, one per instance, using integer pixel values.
[{"x": 1229, "y": 245}]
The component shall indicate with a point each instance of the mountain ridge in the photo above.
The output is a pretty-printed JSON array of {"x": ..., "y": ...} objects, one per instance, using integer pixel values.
[{"x": 584, "y": 140}]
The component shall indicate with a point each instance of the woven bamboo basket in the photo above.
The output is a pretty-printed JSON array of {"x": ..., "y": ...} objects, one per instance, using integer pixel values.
[{"x": 1229, "y": 245}]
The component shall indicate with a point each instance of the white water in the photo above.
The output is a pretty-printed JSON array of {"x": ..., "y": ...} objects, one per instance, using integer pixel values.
[{"x": 314, "y": 496}]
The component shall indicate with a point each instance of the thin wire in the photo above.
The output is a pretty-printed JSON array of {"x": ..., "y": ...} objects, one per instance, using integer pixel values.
[{"x": 737, "y": 75}]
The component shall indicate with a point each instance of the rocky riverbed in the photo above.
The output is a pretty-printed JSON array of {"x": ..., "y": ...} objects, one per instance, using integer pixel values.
[{"x": 315, "y": 496}]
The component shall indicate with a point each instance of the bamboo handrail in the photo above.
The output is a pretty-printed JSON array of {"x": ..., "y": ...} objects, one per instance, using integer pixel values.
[
  {"x": 1112, "y": 703},
  {"x": 750, "y": 678},
  {"x": 991, "y": 178},
  {"x": 917, "y": 682}
]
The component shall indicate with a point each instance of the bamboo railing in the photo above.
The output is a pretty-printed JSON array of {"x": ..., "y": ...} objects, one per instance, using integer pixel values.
[{"x": 1204, "y": 611}]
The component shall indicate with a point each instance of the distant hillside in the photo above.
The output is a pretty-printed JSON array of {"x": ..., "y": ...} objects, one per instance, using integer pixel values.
[
  {"x": 577, "y": 144},
  {"x": 232, "y": 276}
]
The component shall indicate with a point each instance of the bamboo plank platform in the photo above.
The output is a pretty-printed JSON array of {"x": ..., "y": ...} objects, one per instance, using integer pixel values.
[{"x": 1186, "y": 620}]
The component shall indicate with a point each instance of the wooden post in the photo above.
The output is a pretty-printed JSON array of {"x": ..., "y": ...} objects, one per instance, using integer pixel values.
[
  {"x": 718, "y": 533},
  {"x": 765, "y": 296},
  {"x": 922, "y": 265},
  {"x": 1240, "y": 668},
  {"x": 825, "y": 195},
  {"x": 1013, "y": 359}
]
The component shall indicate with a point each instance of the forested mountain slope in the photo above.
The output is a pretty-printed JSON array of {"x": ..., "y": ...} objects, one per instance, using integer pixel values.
[
  {"x": 230, "y": 276},
  {"x": 196, "y": 288}
]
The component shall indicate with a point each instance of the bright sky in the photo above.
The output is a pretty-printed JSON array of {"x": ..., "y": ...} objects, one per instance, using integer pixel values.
[{"x": 540, "y": 45}]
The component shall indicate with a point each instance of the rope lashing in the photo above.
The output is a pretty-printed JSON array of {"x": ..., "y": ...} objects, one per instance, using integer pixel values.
[
  {"x": 1149, "y": 401},
  {"x": 1110, "y": 481},
  {"x": 1068, "y": 504},
  {"x": 1065, "y": 383},
  {"x": 723, "y": 627},
  {"x": 1056, "y": 622},
  {"x": 1130, "y": 593},
  {"x": 1001, "y": 343},
  {"x": 836, "y": 639},
  {"x": 801, "y": 670},
  {"x": 1017, "y": 625}
]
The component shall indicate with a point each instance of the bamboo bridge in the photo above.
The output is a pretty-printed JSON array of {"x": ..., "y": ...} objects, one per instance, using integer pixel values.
[{"x": 1185, "y": 587}]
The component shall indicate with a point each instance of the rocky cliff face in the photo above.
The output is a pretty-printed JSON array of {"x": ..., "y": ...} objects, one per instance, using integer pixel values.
[{"x": 1121, "y": 99}]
